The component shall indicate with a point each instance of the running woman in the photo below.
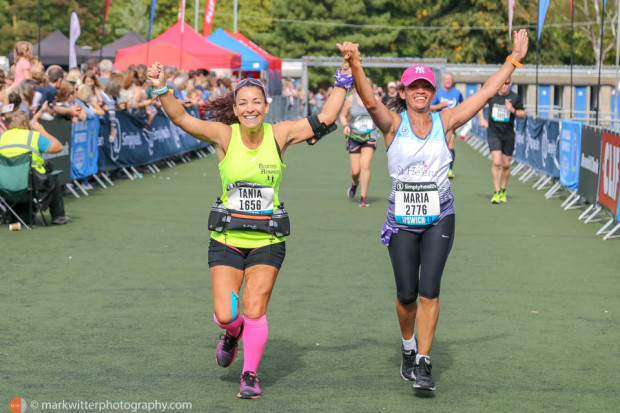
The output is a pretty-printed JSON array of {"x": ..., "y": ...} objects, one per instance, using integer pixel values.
[
  {"x": 361, "y": 140},
  {"x": 250, "y": 155},
  {"x": 419, "y": 229}
]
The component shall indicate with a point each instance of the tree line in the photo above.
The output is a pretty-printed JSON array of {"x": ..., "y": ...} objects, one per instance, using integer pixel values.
[{"x": 461, "y": 31}]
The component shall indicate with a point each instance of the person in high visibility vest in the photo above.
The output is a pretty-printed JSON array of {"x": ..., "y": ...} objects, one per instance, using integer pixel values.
[{"x": 23, "y": 136}]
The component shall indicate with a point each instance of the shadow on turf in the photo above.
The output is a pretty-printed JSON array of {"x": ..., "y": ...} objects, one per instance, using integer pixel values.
[
  {"x": 442, "y": 361},
  {"x": 282, "y": 357}
]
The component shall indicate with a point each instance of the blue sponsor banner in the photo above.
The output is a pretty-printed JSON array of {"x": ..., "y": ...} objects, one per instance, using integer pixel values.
[
  {"x": 550, "y": 148},
  {"x": 537, "y": 144},
  {"x": 84, "y": 151},
  {"x": 520, "y": 132},
  {"x": 570, "y": 151},
  {"x": 533, "y": 135},
  {"x": 134, "y": 145}
]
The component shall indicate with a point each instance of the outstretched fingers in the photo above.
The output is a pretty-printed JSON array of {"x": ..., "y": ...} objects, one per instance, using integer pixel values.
[{"x": 520, "y": 44}]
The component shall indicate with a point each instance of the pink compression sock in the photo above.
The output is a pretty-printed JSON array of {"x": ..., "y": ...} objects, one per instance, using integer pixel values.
[
  {"x": 233, "y": 328},
  {"x": 255, "y": 336}
]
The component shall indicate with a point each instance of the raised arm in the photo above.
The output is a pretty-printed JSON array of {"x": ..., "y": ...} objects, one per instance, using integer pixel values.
[
  {"x": 455, "y": 117},
  {"x": 55, "y": 145},
  {"x": 292, "y": 132},
  {"x": 386, "y": 121},
  {"x": 344, "y": 115},
  {"x": 216, "y": 133}
]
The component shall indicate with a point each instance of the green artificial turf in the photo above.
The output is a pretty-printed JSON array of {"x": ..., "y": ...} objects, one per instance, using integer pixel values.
[{"x": 117, "y": 305}]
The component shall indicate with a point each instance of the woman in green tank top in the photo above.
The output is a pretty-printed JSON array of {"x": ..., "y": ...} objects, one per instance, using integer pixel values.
[{"x": 250, "y": 155}]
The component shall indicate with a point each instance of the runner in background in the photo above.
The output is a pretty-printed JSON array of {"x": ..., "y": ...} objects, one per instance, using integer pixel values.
[
  {"x": 361, "y": 142},
  {"x": 504, "y": 107},
  {"x": 448, "y": 97}
]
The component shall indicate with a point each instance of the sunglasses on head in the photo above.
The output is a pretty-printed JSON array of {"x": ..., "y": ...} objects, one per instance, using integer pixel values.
[{"x": 249, "y": 82}]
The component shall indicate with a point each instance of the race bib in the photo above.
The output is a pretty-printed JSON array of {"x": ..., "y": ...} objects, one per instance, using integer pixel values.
[
  {"x": 416, "y": 203},
  {"x": 250, "y": 197},
  {"x": 362, "y": 125},
  {"x": 500, "y": 113}
]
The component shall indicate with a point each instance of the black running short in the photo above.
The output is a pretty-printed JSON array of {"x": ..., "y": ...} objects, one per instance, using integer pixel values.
[
  {"x": 242, "y": 258},
  {"x": 354, "y": 146},
  {"x": 504, "y": 144},
  {"x": 418, "y": 260}
]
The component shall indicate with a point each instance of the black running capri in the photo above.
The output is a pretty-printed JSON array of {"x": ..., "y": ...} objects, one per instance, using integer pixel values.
[{"x": 418, "y": 260}]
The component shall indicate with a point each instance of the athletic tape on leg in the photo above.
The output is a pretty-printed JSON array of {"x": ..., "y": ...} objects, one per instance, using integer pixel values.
[{"x": 234, "y": 298}]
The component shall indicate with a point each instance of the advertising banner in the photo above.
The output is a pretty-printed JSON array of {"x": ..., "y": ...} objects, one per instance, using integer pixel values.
[
  {"x": 84, "y": 150},
  {"x": 533, "y": 142},
  {"x": 134, "y": 145},
  {"x": 589, "y": 162},
  {"x": 520, "y": 132},
  {"x": 550, "y": 148},
  {"x": 610, "y": 172},
  {"x": 570, "y": 150}
]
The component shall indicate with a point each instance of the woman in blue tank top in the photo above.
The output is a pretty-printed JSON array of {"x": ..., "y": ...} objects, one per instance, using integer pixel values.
[{"x": 419, "y": 228}]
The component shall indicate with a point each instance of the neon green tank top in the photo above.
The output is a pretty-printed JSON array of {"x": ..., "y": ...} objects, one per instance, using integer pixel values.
[{"x": 250, "y": 184}]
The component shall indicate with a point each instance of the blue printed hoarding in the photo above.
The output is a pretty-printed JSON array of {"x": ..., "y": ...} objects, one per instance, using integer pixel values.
[
  {"x": 84, "y": 151},
  {"x": 134, "y": 145},
  {"x": 570, "y": 151}
]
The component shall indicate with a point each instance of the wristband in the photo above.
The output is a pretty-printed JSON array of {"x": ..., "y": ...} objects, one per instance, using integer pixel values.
[
  {"x": 342, "y": 80},
  {"x": 514, "y": 62},
  {"x": 161, "y": 91}
]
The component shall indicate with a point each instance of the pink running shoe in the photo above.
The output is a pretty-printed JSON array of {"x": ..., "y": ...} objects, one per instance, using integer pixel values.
[
  {"x": 249, "y": 386},
  {"x": 226, "y": 351}
]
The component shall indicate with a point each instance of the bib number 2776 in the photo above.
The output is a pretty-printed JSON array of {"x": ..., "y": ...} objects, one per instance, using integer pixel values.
[{"x": 416, "y": 203}]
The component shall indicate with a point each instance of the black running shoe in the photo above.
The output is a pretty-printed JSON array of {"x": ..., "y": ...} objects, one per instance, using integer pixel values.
[
  {"x": 423, "y": 377},
  {"x": 406, "y": 366},
  {"x": 351, "y": 191}
]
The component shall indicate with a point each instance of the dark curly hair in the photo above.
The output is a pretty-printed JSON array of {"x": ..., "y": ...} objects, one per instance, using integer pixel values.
[{"x": 221, "y": 108}]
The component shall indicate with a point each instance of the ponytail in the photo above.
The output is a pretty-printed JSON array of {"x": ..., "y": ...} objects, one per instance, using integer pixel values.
[
  {"x": 221, "y": 109},
  {"x": 396, "y": 104}
]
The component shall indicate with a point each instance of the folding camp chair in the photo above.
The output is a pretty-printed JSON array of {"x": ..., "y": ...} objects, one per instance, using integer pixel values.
[{"x": 17, "y": 187}]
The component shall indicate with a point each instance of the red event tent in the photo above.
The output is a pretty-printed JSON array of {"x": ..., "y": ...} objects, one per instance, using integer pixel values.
[
  {"x": 274, "y": 62},
  {"x": 186, "y": 49}
]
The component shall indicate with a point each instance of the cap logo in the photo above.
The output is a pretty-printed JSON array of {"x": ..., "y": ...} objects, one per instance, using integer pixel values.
[{"x": 419, "y": 69}]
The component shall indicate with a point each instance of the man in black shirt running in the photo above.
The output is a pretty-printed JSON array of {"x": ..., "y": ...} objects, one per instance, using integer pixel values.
[{"x": 503, "y": 108}]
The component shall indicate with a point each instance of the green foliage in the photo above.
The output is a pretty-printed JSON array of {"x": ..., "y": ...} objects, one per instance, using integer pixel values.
[
  {"x": 396, "y": 28},
  {"x": 124, "y": 16},
  {"x": 18, "y": 20}
]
